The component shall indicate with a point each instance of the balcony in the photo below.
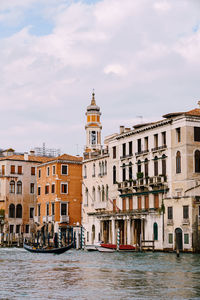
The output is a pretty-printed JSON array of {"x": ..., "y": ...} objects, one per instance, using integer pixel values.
[
  {"x": 142, "y": 152},
  {"x": 186, "y": 221},
  {"x": 100, "y": 205},
  {"x": 126, "y": 156},
  {"x": 36, "y": 219},
  {"x": 157, "y": 180},
  {"x": 170, "y": 222},
  {"x": 51, "y": 218},
  {"x": 64, "y": 219},
  {"x": 45, "y": 219},
  {"x": 160, "y": 148}
]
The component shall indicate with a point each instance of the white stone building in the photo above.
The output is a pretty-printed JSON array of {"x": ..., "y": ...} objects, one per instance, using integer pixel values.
[{"x": 145, "y": 181}]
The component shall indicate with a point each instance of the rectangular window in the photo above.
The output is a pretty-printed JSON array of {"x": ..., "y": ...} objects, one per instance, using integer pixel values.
[
  {"x": 47, "y": 209},
  {"x": 146, "y": 143},
  {"x": 197, "y": 134},
  {"x": 39, "y": 173},
  {"x": 52, "y": 209},
  {"x": 38, "y": 210},
  {"x": 185, "y": 212},
  {"x": 3, "y": 170},
  {"x": 170, "y": 213},
  {"x": 139, "y": 203},
  {"x": 19, "y": 170},
  {"x": 54, "y": 170},
  {"x": 12, "y": 169},
  {"x": 123, "y": 150},
  {"x": 186, "y": 238},
  {"x": 63, "y": 209},
  {"x": 155, "y": 140},
  {"x": 170, "y": 238},
  {"x": 47, "y": 171},
  {"x": 139, "y": 145},
  {"x": 31, "y": 212},
  {"x": 64, "y": 188},
  {"x": 156, "y": 201},
  {"x": 123, "y": 204},
  {"x": 178, "y": 135},
  {"x": 17, "y": 228},
  {"x": 11, "y": 228},
  {"x": 130, "y": 145},
  {"x": 164, "y": 138},
  {"x": 146, "y": 200},
  {"x": 114, "y": 152},
  {"x": 114, "y": 205},
  {"x": 130, "y": 203},
  {"x": 64, "y": 169},
  {"x": 32, "y": 188},
  {"x": 87, "y": 236},
  {"x": 32, "y": 170},
  {"x": 46, "y": 189},
  {"x": 27, "y": 228},
  {"x": 53, "y": 188},
  {"x": 39, "y": 190}
]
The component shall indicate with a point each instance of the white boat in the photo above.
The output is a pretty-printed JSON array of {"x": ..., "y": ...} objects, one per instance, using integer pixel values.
[
  {"x": 92, "y": 247},
  {"x": 107, "y": 250}
]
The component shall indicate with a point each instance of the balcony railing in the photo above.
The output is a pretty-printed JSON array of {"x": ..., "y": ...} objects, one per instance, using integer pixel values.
[
  {"x": 64, "y": 219},
  {"x": 170, "y": 222},
  {"x": 142, "y": 152},
  {"x": 186, "y": 222},
  {"x": 51, "y": 218},
  {"x": 160, "y": 148},
  {"x": 36, "y": 219},
  {"x": 100, "y": 205},
  {"x": 141, "y": 182},
  {"x": 45, "y": 219},
  {"x": 126, "y": 156}
]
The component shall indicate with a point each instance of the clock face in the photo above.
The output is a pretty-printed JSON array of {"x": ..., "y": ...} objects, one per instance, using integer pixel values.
[{"x": 93, "y": 137}]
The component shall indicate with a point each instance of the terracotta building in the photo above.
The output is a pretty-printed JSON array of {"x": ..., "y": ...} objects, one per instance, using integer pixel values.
[
  {"x": 59, "y": 196},
  {"x": 18, "y": 192}
]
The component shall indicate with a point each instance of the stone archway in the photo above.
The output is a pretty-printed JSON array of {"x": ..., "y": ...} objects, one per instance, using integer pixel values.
[{"x": 179, "y": 238}]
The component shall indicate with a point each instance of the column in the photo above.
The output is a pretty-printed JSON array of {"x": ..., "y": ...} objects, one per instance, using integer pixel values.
[{"x": 129, "y": 231}]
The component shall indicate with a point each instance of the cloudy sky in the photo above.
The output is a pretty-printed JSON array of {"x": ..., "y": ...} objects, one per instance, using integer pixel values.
[{"x": 142, "y": 57}]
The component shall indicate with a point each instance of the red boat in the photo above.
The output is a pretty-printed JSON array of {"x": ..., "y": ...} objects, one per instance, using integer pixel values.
[{"x": 121, "y": 247}]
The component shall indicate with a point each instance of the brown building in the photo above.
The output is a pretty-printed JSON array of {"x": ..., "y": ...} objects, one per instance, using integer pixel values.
[{"x": 59, "y": 197}]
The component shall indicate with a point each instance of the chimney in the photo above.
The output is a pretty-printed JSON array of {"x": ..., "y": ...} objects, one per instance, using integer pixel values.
[
  {"x": 127, "y": 129},
  {"x": 32, "y": 152},
  {"x": 25, "y": 155},
  {"x": 121, "y": 129}
]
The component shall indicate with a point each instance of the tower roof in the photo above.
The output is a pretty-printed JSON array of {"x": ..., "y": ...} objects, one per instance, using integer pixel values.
[{"x": 93, "y": 105}]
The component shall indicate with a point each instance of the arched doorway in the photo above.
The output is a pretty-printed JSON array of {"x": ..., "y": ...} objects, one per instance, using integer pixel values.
[
  {"x": 93, "y": 234},
  {"x": 179, "y": 238}
]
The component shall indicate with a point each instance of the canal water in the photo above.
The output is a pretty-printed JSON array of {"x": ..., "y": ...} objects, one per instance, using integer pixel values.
[{"x": 95, "y": 275}]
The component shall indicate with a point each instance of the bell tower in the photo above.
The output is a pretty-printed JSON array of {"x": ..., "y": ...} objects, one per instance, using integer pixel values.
[{"x": 93, "y": 126}]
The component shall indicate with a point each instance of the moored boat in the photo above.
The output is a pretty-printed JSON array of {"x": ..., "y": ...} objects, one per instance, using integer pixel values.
[
  {"x": 106, "y": 250},
  {"x": 33, "y": 249},
  {"x": 121, "y": 247}
]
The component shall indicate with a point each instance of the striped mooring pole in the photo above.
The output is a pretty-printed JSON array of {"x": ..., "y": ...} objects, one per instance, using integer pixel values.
[
  {"x": 118, "y": 238},
  {"x": 59, "y": 238},
  {"x": 83, "y": 238}
]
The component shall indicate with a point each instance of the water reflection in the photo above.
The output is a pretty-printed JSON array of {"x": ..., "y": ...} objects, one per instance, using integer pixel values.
[{"x": 85, "y": 275}]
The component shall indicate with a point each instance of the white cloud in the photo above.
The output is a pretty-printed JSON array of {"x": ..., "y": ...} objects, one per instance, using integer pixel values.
[
  {"x": 162, "y": 6},
  {"x": 115, "y": 69}
]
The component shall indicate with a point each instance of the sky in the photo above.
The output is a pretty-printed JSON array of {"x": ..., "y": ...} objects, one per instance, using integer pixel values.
[{"x": 142, "y": 58}]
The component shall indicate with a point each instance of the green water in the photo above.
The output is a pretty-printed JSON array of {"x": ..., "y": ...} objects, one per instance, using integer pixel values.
[{"x": 95, "y": 275}]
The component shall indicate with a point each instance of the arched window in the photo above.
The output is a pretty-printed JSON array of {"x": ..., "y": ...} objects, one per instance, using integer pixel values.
[
  {"x": 163, "y": 164},
  {"x": 85, "y": 171},
  {"x": 130, "y": 172},
  {"x": 123, "y": 172},
  {"x": 146, "y": 168},
  {"x": 93, "y": 170},
  {"x": 178, "y": 162},
  {"x": 102, "y": 168},
  {"x": 18, "y": 211},
  {"x": 19, "y": 187},
  {"x": 155, "y": 166},
  {"x": 114, "y": 175},
  {"x": 12, "y": 211},
  {"x": 93, "y": 194},
  {"x": 99, "y": 194},
  {"x": 106, "y": 192},
  {"x": 105, "y": 167},
  {"x": 197, "y": 161},
  {"x": 12, "y": 187},
  {"x": 86, "y": 196},
  {"x": 139, "y": 167},
  {"x": 155, "y": 231},
  {"x": 103, "y": 194}
]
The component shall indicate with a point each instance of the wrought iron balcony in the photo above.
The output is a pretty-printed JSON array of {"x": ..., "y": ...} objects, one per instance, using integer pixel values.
[
  {"x": 142, "y": 152},
  {"x": 51, "y": 218},
  {"x": 160, "y": 148},
  {"x": 64, "y": 219}
]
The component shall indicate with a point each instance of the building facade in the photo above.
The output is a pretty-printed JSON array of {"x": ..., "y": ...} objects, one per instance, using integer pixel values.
[
  {"x": 59, "y": 193},
  {"x": 144, "y": 182}
]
